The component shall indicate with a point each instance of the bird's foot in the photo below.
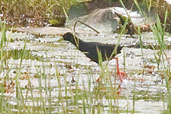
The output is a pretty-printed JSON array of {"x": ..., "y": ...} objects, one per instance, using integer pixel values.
[
  {"x": 122, "y": 75},
  {"x": 98, "y": 79},
  {"x": 119, "y": 89},
  {"x": 73, "y": 80}
]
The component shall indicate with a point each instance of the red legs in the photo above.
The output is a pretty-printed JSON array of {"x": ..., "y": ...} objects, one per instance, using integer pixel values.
[
  {"x": 121, "y": 75},
  {"x": 98, "y": 79}
]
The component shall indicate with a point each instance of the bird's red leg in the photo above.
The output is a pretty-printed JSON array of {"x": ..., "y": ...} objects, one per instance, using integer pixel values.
[
  {"x": 121, "y": 75},
  {"x": 98, "y": 79}
]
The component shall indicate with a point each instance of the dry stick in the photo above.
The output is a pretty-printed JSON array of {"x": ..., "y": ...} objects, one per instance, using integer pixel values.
[{"x": 85, "y": 25}]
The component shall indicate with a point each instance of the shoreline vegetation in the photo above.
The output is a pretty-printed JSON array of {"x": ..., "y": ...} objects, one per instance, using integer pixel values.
[{"x": 35, "y": 13}]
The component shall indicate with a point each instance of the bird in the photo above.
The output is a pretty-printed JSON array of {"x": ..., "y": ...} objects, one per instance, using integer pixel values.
[{"x": 91, "y": 50}]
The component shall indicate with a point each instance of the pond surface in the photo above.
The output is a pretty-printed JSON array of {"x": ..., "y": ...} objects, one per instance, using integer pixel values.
[{"x": 49, "y": 64}]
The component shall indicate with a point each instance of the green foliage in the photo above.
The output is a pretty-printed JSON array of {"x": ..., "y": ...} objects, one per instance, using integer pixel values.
[
  {"x": 57, "y": 22},
  {"x": 35, "y": 12},
  {"x": 36, "y": 8},
  {"x": 68, "y": 95},
  {"x": 3, "y": 31}
]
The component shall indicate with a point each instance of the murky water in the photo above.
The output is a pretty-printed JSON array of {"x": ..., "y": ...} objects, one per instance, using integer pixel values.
[{"x": 49, "y": 64}]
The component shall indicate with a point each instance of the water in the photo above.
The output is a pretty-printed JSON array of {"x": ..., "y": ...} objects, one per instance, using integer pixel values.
[{"x": 49, "y": 65}]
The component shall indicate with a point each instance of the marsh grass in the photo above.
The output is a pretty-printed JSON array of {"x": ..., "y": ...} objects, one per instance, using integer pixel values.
[
  {"x": 3, "y": 62},
  {"x": 83, "y": 100},
  {"x": 158, "y": 30},
  {"x": 159, "y": 33},
  {"x": 71, "y": 98}
]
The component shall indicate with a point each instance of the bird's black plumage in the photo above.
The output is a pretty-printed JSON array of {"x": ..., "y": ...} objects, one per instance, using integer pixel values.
[{"x": 91, "y": 49}]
